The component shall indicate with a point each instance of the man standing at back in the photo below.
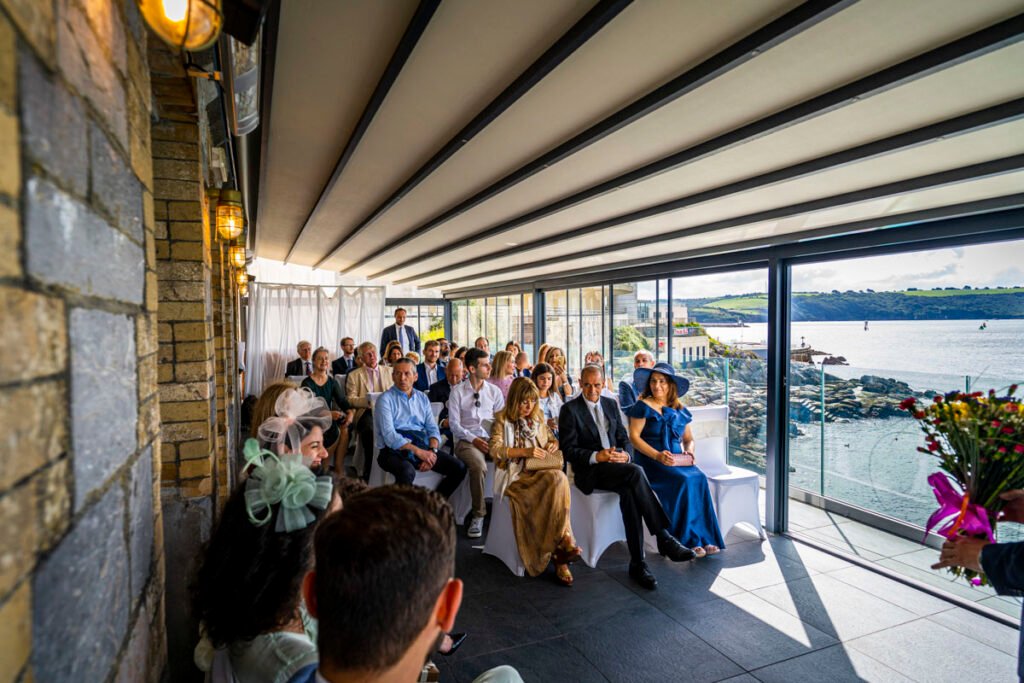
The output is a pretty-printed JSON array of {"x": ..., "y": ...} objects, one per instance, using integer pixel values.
[
  {"x": 359, "y": 384},
  {"x": 346, "y": 362},
  {"x": 378, "y": 622},
  {"x": 470, "y": 404},
  {"x": 430, "y": 370},
  {"x": 628, "y": 390},
  {"x": 400, "y": 332}
]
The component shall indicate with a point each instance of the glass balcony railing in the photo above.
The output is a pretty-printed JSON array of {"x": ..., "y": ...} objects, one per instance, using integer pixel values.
[{"x": 849, "y": 440}]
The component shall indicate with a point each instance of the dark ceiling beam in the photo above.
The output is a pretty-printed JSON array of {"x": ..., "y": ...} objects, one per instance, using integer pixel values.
[
  {"x": 926, "y": 182},
  {"x": 413, "y": 32},
  {"x": 790, "y": 24},
  {"x": 972, "y": 222},
  {"x": 969, "y": 47},
  {"x": 741, "y": 255},
  {"x": 959, "y": 125},
  {"x": 255, "y": 168},
  {"x": 582, "y": 31}
]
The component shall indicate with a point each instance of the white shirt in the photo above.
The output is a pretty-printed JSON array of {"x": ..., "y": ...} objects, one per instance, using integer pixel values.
[
  {"x": 597, "y": 413},
  {"x": 466, "y": 419},
  {"x": 401, "y": 338},
  {"x": 431, "y": 373}
]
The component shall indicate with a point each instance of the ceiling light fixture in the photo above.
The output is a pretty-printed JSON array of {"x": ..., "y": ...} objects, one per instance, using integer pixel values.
[{"x": 191, "y": 25}]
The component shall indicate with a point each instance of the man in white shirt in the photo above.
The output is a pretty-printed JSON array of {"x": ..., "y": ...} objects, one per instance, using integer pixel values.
[
  {"x": 470, "y": 404},
  {"x": 404, "y": 334},
  {"x": 430, "y": 370}
]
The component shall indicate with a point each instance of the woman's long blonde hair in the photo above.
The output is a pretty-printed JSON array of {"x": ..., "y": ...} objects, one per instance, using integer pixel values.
[
  {"x": 520, "y": 390},
  {"x": 264, "y": 407},
  {"x": 501, "y": 359}
]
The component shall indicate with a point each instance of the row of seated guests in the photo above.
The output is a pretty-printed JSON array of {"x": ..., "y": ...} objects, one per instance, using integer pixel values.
[{"x": 296, "y": 585}]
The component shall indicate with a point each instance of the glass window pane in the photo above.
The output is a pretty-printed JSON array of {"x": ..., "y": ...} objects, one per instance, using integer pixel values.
[
  {"x": 529, "y": 334},
  {"x": 634, "y": 327},
  {"x": 556, "y": 311},
  {"x": 593, "y": 322}
]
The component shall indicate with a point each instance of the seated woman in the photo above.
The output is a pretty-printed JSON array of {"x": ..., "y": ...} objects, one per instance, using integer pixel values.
[
  {"x": 661, "y": 436},
  {"x": 513, "y": 348},
  {"x": 247, "y": 592},
  {"x": 264, "y": 407},
  {"x": 556, "y": 359},
  {"x": 392, "y": 352},
  {"x": 503, "y": 372},
  {"x": 522, "y": 444},
  {"x": 414, "y": 357},
  {"x": 322, "y": 384},
  {"x": 550, "y": 402}
]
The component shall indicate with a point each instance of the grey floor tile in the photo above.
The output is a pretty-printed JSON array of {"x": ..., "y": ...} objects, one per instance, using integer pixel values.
[
  {"x": 899, "y": 594},
  {"x": 753, "y": 565},
  {"x": 742, "y": 678},
  {"x": 586, "y": 604},
  {"x": 643, "y": 645},
  {"x": 980, "y": 628},
  {"x": 1000, "y": 604},
  {"x": 834, "y": 607},
  {"x": 922, "y": 558},
  {"x": 547, "y": 660},
  {"x": 939, "y": 579},
  {"x": 681, "y": 585},
  {"x": 751, "y": 632},
  {"x": 836, "y": 664},
  {"x": 495, "y": 621},
  {"x": 815, "y": 560},
  {"x": 810, "y": 517},
  {"x": 929, "y": 652}
]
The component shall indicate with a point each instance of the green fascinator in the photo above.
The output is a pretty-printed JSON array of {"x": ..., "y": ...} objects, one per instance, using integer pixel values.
[{"x": 284, "y": 480}]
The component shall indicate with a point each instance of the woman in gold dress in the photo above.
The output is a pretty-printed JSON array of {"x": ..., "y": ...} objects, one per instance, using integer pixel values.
[{"x": 533, "y": 481}]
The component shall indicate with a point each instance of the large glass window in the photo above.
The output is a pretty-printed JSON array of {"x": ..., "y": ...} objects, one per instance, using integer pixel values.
[
  {"x": 426, "y": 319},
  {"x": 635, "y": 314}
]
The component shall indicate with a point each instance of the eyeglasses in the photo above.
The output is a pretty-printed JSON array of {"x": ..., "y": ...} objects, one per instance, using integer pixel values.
[{"x": 476, "y": 399}]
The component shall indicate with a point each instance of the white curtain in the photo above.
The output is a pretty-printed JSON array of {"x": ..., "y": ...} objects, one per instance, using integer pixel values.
[{"x": 280, "y": 316}]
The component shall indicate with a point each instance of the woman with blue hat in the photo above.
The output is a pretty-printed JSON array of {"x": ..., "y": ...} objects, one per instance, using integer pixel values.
[{"x": 660, "y": 432}]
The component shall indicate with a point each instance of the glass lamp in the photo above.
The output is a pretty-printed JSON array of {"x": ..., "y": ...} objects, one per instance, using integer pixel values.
[
  {"x": 243, "y": 290},
  {"x": 236, "y": 255},
  {"x": 230, "y": 220},
  {"x": 242, "y": 278},
  {"x": 191, "y": 25}
]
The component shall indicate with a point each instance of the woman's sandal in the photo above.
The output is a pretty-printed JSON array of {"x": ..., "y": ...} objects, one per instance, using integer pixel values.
[
  {"x": 698, "y": 551},
  {"x": 564, "y": 556},
  {"x": 711, "y": 549},
  {"x": 563, "y": 574}
]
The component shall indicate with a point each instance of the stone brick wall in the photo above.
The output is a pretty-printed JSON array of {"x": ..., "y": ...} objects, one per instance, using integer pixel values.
[{"x": 81, "y": 543}]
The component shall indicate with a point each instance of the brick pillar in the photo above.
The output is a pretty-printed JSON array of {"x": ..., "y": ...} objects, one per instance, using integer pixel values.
[{"x": 81, "y": 567}]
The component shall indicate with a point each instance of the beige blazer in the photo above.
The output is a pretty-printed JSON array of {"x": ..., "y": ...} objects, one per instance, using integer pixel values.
[{"x": 358, "y": 388}]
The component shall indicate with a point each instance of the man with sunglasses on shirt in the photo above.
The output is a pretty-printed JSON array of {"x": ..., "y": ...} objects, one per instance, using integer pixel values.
[{"x": 471, "y": 404}]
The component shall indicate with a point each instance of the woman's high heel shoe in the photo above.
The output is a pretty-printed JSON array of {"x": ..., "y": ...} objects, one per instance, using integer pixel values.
[{"x": 563, "y": 574}]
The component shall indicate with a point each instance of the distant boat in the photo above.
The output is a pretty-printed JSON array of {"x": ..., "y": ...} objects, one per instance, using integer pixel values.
[
  {"x": 865, "y": 325},
  {"x": 983, "y": 326}
]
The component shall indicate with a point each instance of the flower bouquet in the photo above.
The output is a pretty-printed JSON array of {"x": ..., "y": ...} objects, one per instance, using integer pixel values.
[{"x": 979, "y": 443}]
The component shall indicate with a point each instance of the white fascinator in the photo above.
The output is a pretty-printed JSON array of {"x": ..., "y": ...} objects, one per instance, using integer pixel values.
[{"x": 295, "y": 413}]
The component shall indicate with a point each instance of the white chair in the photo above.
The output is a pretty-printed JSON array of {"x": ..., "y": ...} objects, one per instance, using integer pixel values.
[
  {"x": 596, "y": 522},
  {"x": 735, "y": 490},
  {"x": 297, "y": 379},
  {"x": 501, "y": 539}
]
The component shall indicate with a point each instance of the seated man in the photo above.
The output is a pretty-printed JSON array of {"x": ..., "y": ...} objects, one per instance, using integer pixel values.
[
  {"x": 378, "y": 622},
  {"x": 483, "y": 344},
  {"x": 346, "y": 362},
  {"x": 593, "y": 441},
  {"x": 303, "y": 365},
  {"x": 470, "y": 404},
  {"x": 407, "y": 435},
  {"x": 359, "y": 384},
  {"x": 628, "y": 391},
  {"x": 441, "y": 391},
  {"x": 430, "y": 370}
]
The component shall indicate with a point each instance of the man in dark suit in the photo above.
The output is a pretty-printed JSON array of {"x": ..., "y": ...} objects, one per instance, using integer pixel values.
[
  {"x": 593, "y": 440},
  {"x": 430, "y": 371},
  {"x": 1002, "y": 563},
  {"x": 400, "y": 332},
  {"x": 346, "y": 362},
  {"x": 303, "y": 365},
  {"x": 441, "y": 390}
]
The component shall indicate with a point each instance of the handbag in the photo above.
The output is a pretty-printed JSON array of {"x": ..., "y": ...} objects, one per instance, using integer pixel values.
[{"x": 552, "y": 461}]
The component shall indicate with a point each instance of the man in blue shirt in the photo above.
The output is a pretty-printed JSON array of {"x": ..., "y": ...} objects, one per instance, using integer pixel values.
[{"x": 407, "y": 435}]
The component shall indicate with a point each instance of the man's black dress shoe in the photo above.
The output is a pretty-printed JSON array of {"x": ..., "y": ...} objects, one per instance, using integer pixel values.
[
  {"x": 639, "y": 572},
  {"x": 674, "y": 550},
  {"x": 457, "y": 640}
]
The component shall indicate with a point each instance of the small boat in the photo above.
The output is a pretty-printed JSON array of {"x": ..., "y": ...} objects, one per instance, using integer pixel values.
[
  {"x": 983, "y": 326},
  {"x": 865, "y": 325}
]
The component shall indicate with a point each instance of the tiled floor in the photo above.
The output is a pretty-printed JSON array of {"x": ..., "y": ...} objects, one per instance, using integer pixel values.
[
  {"x": 906, "y": 557},
  {"x": 776, "y": 610}
]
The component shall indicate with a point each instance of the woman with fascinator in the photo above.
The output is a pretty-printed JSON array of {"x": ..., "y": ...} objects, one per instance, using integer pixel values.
[
  {"x": 299, "y": 422},
  {"x": 661, "y": 436},
  {"x": 255, "y": 628}
]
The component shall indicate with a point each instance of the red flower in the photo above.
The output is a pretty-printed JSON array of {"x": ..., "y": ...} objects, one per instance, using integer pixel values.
[
  {"x": 1019, "y": 449},
  {"x": 1002, "y": 449},
  {"x": 937, "y": 398},
  {"x": 1007, "y": 430},
  {"x": 933, "y": 446},
  {"x": 908, "y": 403},
  {"x": 996, "y": 424},
  {"x": 1013, "y": 389},
  {"x": 919, "y": 414}
]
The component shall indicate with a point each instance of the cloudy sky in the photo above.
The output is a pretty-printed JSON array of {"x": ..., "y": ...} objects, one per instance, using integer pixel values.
[{"x": 979, "y": 266}]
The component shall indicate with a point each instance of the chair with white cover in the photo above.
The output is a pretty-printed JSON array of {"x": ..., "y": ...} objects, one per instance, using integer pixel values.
[
  {"x": 596, "y": 522},
  {"x": 297, "y": 379},
  {"x": 734, "y": 490},
  {"x": 501, "y": 538}
]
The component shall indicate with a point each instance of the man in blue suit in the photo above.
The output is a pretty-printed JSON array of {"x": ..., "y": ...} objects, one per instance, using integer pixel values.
[
  {"x": 430, "y": 370},
  {"x": 628, "y": 391},
  {"x": 400, "y": 332},
  {"x": 1002, "y": 563}
]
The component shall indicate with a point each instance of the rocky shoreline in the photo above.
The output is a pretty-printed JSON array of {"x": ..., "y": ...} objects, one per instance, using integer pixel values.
[{"x": 866, "y": 397}]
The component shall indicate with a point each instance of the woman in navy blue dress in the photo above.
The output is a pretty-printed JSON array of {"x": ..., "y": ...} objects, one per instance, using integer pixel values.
[{"x": 661, "y": 436}]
